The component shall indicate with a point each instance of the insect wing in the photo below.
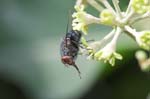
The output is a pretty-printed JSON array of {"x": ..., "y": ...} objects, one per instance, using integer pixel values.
[{"x": 62, "y": 48}]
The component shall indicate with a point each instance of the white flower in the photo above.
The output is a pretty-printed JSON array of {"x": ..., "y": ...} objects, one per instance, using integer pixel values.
[
  {"x": 143, "y": 60},
  {"x": 82, "y": 19},
  {"x": 108, "y": 54},
  {"x": 141, "y": 6},
  {"x": 143, "y": 39},
  {"x": 107, "y": 17}
]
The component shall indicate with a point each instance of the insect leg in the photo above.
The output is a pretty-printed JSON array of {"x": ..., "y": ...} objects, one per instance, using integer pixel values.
[
  {"x": 84, "y": 47},
  {"x": 92, "y": 40},
  {"x": 76, "y": 67}
]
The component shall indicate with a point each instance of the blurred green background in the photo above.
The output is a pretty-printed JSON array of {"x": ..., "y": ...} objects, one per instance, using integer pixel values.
[{"x": 30, "y": 66}]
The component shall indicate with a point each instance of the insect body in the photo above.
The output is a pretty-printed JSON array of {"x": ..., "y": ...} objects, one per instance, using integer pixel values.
[{"x": 70, "y": 48}]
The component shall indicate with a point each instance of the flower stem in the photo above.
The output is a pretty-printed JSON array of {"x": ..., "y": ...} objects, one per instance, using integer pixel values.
[
  {"x": 113, "y": 42},
  {"x": 108, "y": 6},
  {"x": 130, "y": 30},
  {"x": 94, "y": 4},
  {"x": 117, "y": 8},
  {"x": 105, "y": 39},
  {"x": 117, "y": 34},
  {"x": 129, "y": 7},
  {"x": 128, "y": 16},
  {"x": 79, "y": 2},
  {"x": 138, "y": 18},
  {"x": 108, "y": 36}
]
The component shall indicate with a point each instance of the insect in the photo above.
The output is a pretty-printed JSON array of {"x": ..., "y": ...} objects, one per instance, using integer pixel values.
[{"x": 70, "y": 48}]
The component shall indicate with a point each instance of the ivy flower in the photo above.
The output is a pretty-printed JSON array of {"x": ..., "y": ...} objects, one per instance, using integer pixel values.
[
  {"x": 143, "y": 39},
  {"x": 92, "y": 48},
  {"x": 107, "y": 17},
  {"x": 141, "y": 6},
  {"x": 108, "y": 54},
  {"x": 143, "y": 60},
  {"x": 141, "y": 55},
  {"x": 82, "y": 19},
  {"x": 89, "y": 49}
]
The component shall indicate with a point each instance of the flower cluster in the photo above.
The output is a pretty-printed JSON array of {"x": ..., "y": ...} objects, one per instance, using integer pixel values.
[
  {"x": 120, "y": 21},
  {"x": 141, "y": 6}
]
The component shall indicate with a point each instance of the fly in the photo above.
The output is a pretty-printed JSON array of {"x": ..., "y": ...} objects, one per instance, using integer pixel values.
[{"x": 70, "y": 48}]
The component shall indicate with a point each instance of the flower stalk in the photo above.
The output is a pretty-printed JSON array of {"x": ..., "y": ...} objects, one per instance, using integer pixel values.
[
  {"x": 108, "y": 6},
  {"x": 94, "y": 4},
  {"x": 117, "y": 8}
]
